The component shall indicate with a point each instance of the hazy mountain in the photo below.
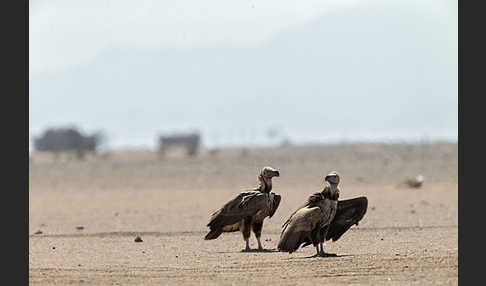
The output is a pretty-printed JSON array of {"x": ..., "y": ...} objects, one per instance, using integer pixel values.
[{"x": 356, "y": 73}]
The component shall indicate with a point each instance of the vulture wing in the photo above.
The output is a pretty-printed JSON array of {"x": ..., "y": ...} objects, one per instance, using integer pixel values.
[
  {"x": 276, "y": 203},
  {"x": 349, "y": 212},
  {"x": 311, "y": 202},
  {"x": 244, "y": 205},
  {"x": 298, "y": 228}
]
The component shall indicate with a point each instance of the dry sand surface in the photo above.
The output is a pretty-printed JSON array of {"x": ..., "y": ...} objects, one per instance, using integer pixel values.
[{"x": 408, "y": 236}]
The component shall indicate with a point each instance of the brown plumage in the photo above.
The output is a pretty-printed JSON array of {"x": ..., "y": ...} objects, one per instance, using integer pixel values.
[
  {"x": 247, "y": 210},
  {"x": 321, "y": 218}
]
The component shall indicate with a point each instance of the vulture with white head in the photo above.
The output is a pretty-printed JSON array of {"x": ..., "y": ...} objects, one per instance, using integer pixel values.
[
  {"x": 247, "y": 210},
  {"x": 323, "y": 217}
]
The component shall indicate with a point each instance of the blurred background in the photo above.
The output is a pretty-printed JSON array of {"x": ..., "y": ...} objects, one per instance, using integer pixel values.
[{"x": 244, "y": 73}]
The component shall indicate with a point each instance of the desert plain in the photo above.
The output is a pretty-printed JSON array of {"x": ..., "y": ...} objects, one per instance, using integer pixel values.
[{"x": 84, "y": 216}]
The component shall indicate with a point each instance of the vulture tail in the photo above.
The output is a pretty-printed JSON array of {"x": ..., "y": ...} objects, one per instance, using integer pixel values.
[{"x": 213, "y": 234}]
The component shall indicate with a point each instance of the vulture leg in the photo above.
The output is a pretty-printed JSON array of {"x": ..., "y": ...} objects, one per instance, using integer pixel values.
[
  {"x": 322, "y": 248},
  {"x": 257, "y": 229},
  {"x": 322, "y": 253},
  {"x": 246, "y": 229},
  {"x": 316, "y": 238}
]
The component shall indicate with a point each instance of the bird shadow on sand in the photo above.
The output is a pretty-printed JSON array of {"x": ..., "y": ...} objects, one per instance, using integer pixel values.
[
  {"x": 258, "y": 250},
  {"x": 326, "y": 257},
  {"x": 249, "y": 251}
]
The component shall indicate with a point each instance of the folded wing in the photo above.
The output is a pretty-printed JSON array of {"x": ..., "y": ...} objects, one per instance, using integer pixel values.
[
  {"x": 227, "y": 218},
  {"x": 298, "y": 228}
]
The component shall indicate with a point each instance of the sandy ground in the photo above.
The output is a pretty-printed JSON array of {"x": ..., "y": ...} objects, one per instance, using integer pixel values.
[{"x": 408, "y": 236}]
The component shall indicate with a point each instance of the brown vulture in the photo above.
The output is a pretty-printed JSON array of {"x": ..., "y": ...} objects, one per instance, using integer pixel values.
[
  {"x": 247, "y": 210},
  {"x": 322, "y": 218}
]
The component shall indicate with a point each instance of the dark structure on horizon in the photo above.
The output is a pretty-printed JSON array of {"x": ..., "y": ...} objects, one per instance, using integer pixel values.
[
  {"x": 191, "y": 142},
  {"x": 67, "y": 139}
]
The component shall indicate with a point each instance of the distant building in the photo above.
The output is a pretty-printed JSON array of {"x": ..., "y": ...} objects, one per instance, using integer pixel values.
[
  {"x": 67, "y": 139},
  {"x": 190, "y": 141}
]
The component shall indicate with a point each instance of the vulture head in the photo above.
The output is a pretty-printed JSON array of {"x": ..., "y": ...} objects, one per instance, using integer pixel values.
[
  {"x": 332, "y": 177},
  {"x": 265, "y": 178},
  {"x": 269, "y": 172}
]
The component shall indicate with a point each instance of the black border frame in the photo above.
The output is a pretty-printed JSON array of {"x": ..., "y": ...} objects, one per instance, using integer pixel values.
[
  {"x": 15, "y": 50},
  {"x": 15, "y": 88},
  {"x": 470, "y": 200}
]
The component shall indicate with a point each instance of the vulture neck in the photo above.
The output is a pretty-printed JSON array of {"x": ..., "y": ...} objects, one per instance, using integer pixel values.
[
  {"x": 331, "y": 191},
  {"x": 265, "y": 184}
]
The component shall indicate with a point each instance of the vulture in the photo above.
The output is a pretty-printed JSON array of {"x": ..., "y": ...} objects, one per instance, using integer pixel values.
[
  {"x": 323, "y": 217},
  {"x": 247, "y": 210}
]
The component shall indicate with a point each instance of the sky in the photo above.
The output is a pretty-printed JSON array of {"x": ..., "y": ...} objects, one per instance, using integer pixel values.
[{"x": 311, "y": 71}]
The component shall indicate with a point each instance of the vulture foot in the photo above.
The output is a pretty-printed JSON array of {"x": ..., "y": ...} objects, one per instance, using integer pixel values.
[{"x": 325, "y": 254}]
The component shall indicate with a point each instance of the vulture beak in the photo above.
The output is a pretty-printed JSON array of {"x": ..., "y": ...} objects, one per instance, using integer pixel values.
[{"x": 276, "y": 174}]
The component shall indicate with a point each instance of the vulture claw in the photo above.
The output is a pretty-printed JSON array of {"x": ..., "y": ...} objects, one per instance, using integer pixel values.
[{"x": 325, "y": 254}]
